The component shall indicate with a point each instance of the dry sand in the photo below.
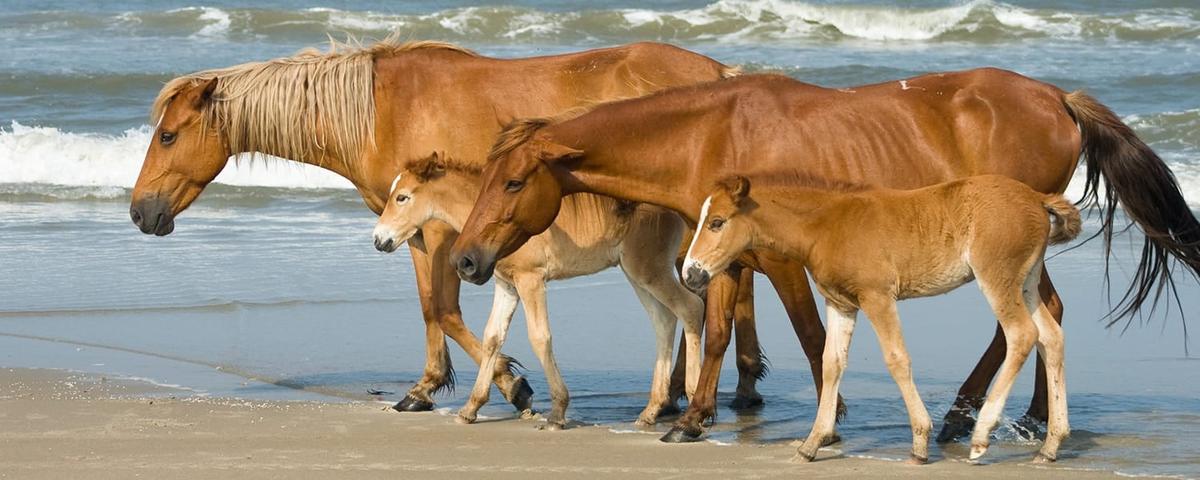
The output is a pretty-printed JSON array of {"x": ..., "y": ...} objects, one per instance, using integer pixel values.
[{"x": 55, "y": 424}]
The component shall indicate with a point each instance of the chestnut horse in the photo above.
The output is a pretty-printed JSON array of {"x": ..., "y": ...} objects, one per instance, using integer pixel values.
[
  {"x": 359, "y": 112},
  {"x": 592, "y": 233},
  {"x": 868, "y": 248},
  {"x": 665, "y": 149}
]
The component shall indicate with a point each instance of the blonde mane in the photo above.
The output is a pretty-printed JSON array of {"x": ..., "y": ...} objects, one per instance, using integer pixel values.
[{"x": 310, "y": 104}]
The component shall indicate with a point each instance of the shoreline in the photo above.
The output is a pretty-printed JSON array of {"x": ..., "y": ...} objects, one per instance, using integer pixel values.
[{"x": 54, "y": 422}]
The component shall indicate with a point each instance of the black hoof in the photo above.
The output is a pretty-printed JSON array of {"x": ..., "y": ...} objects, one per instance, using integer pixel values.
[
  {"x": 742, "y": 403},
  {"x": 1028, "y": 427},
  {"x": 669, "y": 409},
  {"x": 522, "y": 397},
  {"x": 680, "y": 435},
  {"x": 831, "y": 439},
  {"x": 955, "y": 430},
  {"x": 411, "y": 404}
]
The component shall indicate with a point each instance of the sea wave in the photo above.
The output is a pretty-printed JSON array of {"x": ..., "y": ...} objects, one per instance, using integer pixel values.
[{"x": 732, "y": 21}]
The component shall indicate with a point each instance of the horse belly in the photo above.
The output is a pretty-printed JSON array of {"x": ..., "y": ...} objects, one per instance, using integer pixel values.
[{"x": 936, "y": 281}]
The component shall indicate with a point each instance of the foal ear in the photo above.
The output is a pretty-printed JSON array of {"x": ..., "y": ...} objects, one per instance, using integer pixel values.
[
  {"x": 428, "y": 167},
  {"x": 737, "y": 187},
  {"x": 553, "y": 152}
]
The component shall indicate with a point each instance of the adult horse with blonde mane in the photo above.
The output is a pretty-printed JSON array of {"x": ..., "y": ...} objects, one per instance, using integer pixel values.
[
  {"x": 360, "y": 112},
  {"x": 867, "y": 248},
  {"x": 666, "y": 149}
]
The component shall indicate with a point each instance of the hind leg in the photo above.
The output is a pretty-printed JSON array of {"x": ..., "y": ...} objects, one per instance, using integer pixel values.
[
  {"x": 1050, "y": 346},
  {"x": 1010, "y": 305},
  {"x": 504, "y": 303}
]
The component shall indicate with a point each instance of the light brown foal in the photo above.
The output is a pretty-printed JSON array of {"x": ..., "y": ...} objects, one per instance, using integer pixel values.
[
  {"x": 592, "y": 233},
  {"x": 867, "y": 248}
]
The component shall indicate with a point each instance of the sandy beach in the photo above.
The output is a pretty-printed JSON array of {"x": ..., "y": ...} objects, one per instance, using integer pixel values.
[{"x": 55, "y": 423}]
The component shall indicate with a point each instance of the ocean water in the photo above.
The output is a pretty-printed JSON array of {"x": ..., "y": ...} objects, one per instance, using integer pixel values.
[{"x": 270, "y": 286}]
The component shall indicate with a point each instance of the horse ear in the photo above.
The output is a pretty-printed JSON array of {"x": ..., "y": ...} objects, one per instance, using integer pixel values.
[
  {"x": 738, "y": 188},
  {"x": 206, "y": 92},
  {"x": 428, "y": 167},
  {"x": 553, "y": 152},
  {"x": 502, "y": 118}
]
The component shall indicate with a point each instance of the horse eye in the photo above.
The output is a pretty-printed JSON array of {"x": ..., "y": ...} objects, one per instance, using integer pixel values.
[
  {"x": 166, "y": 138},
  {"x": 514, "y": 185},
  {"x": 401, "y": 199},
  {"x": 716, "y": 224}
]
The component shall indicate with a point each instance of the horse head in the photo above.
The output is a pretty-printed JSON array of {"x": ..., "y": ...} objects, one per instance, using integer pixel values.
[
  {"x": 185, "y": 154},
  {"x": 520, "y": 198},
  {"x": 722, "y": 233},
  {"x": 424, "y": 190}
]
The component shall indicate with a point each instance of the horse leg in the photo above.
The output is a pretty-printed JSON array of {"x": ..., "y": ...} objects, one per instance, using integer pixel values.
[
  {"x": 504, "y": 303},
  {"x": 882, "y": 314},
  {"x": 751, "y": 363},
  {"x": 718, "y": 325},
  {"x": 1050, "y": 347},
  {"x": 438, "y": 238},
  {"x": 959, "y": 422},
  {"x": 533, "y": 296},
  {"x": 1020, "y": 332},
  {"x": 791, "y": 283},
  {"x": 438, "y": 371},
  {"x": 836, "y": 351},
  {"x": 678, "y": 376}
]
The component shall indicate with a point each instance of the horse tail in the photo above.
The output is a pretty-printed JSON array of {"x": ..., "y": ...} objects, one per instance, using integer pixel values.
[
  {"x": 1136, "y": 178},
  {"x": 1067, "y": 223}
]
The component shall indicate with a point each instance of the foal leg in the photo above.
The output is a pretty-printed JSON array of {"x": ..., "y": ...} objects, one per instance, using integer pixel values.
[
  {"x": 751, "y": 363},
  {"x": 958, "y": 422},
  {"x": 718, "y": 325},
  {"x": 1050, "y": 347},
  {"x": 1020, "y": 333},
  {"x": 664, "y": 331},
  {"x": 837, "y": 349},
  {"x": 882, "y": 314},
  {"x": 504, "y": 303},
  {"x": 533, "y": 295}
]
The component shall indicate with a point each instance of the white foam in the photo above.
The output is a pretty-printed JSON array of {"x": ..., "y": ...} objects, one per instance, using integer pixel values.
[
  {"x": 42, "y": 155},
  {"x": 219, "y": 22}
]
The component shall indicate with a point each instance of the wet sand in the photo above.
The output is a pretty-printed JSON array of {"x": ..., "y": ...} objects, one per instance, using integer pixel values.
[{"x": 55, "y": 423}]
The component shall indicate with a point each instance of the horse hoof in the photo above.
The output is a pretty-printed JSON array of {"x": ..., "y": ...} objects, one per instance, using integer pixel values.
[
  {"x": 802, "y": 457},
  {"x": 680, "y": 435},
  {"x": 955, "y": 430},
  {"x": 411, "y": 404},
  {"x": 522, "y": 397},
  {"x": 917, "y": 460},
  {"x": 463, "y": 419},
  {"x": 1043, "y": 458},
  {"x": 555, "y": 426},
  {"x": 745, "y": 402},
  {"x": 977, "y": 451}
]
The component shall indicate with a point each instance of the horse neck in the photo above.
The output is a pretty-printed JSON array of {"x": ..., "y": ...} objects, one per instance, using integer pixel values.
[
  {"x": 790, "y": 220},
  {"x": 455, "y": 196}
]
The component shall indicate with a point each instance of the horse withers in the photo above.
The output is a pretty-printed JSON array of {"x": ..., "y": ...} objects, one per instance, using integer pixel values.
[{"x": 867, "y": 248}]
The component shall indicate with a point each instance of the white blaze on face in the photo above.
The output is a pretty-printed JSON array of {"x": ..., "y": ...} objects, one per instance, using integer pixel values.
[
  {"x": 688, "y": 260},
  {"x": 394, "y": 183}
]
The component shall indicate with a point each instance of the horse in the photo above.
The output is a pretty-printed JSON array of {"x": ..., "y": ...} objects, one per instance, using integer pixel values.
[
  {"x": 359, "y": 111},
  {"x": 664, "y": 148},
  {"x": 867, "y": 248},
  {"x": 592, "y": 233}
]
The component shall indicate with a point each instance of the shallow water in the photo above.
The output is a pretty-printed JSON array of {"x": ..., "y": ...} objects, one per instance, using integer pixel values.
[{"x": 270, "y": 287}]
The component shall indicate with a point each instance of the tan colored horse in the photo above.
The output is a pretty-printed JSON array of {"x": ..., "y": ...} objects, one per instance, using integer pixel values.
[
  {"x": 666, "y": 148},
  {"x": 359, "y": 112},
  {"x": 866, "y": 249},
  {"x": 591, "y": 234}
]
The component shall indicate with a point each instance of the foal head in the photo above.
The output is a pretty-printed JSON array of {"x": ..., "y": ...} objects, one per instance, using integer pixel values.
[
  {"x": 519, "y": 198},
  {"x": 423, "y": 191},
  {"x": 185, "y": 154},
  {"x": 722, "y": 233}
]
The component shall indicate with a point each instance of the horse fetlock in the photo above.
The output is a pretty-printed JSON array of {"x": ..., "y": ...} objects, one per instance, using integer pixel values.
[
  {"x": 744, "y": 401},
  {"x": 466, "y": 416},
  {"x": 520, "y": 395}
]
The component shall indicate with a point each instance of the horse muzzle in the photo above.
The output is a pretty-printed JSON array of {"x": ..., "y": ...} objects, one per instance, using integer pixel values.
[
  {"x": 474, "y": 267},
  {"x": 152, "y": 216},
  {"x": 696, "y": 278}
]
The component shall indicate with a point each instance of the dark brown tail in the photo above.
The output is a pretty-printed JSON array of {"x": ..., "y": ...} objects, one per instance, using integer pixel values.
[
  {"x": 1067, "y": 223},
  {"x": 1137, "y": 178}
]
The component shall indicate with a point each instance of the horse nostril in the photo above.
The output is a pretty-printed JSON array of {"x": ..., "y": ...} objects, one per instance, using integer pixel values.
[
  {"x": 466, "y": 266},
  {"x": 696, "y": 277},
  {"x": 384, "y": 245},
  {"x": 137, "y": 217}
]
